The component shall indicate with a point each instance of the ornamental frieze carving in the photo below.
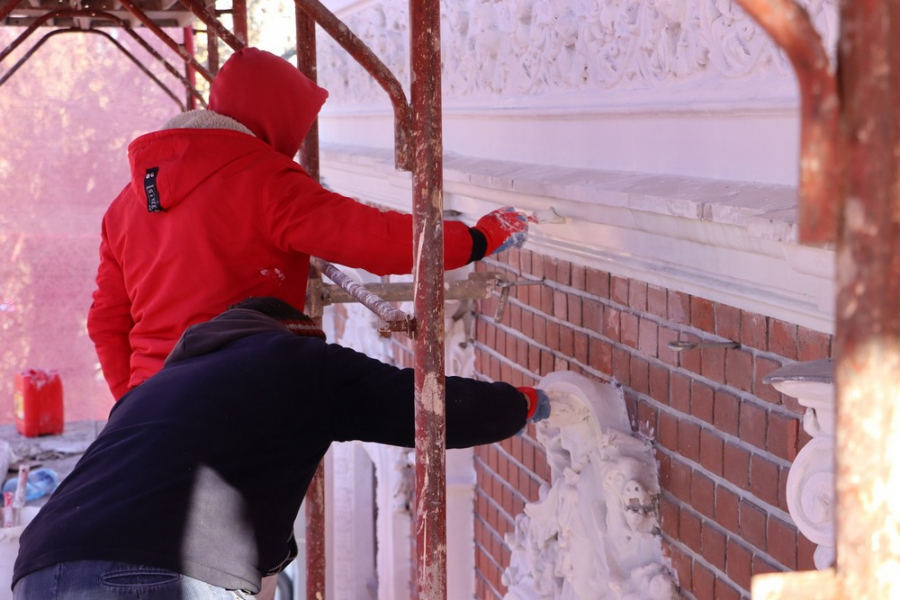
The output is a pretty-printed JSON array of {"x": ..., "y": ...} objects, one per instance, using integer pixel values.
[{"x": 502, "y": 50}]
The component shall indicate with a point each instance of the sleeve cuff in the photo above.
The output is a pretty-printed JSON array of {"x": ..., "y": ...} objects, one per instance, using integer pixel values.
[
  {"x": 531, "y": 400},
  {"x": 479, "y": 244}
]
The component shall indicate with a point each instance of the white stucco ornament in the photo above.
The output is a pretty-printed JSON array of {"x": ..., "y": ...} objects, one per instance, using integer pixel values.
[
  {"x": 810, "y": 487},
  {"x": 594, "y": 532}
]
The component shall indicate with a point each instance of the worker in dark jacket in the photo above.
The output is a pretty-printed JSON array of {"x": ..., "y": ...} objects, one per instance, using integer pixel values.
[{"x": 192, "y": 488}]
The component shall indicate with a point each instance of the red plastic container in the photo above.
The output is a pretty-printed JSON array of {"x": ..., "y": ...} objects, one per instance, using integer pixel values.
[{"x": 39, "y": 403}]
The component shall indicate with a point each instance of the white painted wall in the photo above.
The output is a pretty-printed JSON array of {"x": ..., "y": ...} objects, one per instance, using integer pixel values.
[{"x": 760, "y": 146}]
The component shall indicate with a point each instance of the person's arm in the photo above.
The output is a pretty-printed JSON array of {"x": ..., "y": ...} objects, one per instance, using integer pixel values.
[
  {"x": 109, "y": 321},
  {"x": 304, "y": 217},
  {"x": 374, "y": 402}
]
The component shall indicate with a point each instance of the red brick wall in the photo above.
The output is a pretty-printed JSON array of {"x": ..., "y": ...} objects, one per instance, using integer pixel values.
[{"x": 723, "y": 439}]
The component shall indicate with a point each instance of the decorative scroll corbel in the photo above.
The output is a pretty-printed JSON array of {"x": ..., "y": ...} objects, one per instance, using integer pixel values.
[{"x": 810, "y": 484}]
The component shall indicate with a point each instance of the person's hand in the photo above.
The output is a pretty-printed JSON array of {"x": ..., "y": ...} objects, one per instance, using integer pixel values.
[
  {"x": 538, "y": 404},
  {"x": 503, "y": 228}
]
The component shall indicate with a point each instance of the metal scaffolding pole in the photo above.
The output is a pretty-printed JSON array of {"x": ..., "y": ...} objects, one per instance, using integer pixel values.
[
  {"x": 315, "y": 495},
  {"x": 428, "y": 265},
  {"x": 239, "y": 18},
  {"x": 212, "y": 51},
  {"x": 867, "y": 333},
  {"x": 191, "y": 74},
  {"x": 418, "y": 147},
  {"x": 861, "y": 213}
]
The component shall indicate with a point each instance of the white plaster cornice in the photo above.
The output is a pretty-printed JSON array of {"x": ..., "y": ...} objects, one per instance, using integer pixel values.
[{"x": 726, "y": 241}]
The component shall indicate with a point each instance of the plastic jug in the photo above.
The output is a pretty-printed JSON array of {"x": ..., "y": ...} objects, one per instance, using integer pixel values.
[{"x": 39, "y": 403}]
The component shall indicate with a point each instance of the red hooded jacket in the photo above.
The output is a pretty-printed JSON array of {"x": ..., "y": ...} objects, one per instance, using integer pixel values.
[{"x": 217, "y": 211}]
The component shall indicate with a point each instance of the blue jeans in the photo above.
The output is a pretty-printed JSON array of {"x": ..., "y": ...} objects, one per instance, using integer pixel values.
[{"x": 107, "y": 580}]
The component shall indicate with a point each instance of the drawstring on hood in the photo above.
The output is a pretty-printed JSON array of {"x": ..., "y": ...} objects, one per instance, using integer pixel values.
[{"x": 269, "y": 96}]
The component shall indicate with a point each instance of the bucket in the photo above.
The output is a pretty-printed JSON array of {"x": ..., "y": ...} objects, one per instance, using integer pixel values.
[{"x": 9, "y": 549}]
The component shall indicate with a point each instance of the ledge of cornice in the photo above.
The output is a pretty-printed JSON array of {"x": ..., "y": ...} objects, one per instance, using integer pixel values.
[{"x": 728, "y": 241}]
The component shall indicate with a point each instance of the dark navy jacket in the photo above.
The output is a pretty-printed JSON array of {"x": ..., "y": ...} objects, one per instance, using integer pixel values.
[{"x": 202, "y": 468}]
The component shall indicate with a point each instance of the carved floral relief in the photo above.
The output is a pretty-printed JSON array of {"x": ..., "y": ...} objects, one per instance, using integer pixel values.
[
  {"x": 502, "y": 50},
  {"x": 594, "y": 532}
]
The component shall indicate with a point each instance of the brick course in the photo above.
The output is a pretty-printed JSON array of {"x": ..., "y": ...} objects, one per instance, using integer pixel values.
[{"x": 724, "y": 440}]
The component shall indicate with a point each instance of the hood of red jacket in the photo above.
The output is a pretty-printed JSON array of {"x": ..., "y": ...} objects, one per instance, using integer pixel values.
[
  {"x": 168, "y": 165},
  {"x": 269, "y": 96}
]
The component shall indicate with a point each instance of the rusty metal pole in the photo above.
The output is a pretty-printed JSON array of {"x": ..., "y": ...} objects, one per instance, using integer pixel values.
[
  {"x": 190, "y": 73},
  {"x": 212, "y": 23},
  {"x": 239, "y": 18},
  {"x": 867, "y": 315},
  {"x": 8, "y": 7},
  {"x": 212, "y": 51},
  {"x": 867, "y": 335},
  {"x": 315, "y": 496},
  {"x": 306, "y": 62},
  {"x": 428, "y": 206},
  {"x": 141, "y": 16}
]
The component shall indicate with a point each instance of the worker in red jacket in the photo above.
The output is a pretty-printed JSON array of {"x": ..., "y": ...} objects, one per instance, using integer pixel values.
[
  {"x": 217, "y": 210},
  {"x": 193, "y": 486}
]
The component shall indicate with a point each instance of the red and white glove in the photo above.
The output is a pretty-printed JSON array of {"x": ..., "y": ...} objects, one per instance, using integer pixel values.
[
  {"x": 502, "y": 229},
  {"x": 538, "y": 404}
]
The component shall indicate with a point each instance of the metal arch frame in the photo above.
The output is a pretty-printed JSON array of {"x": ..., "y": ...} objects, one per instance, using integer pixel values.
[
  {"x": 31, "y": 51},
  {"x": 166, "y": 39},
  {"x": 373, "y": 65},
  {"x": 190, "y": 89},
  {"x": 790, "y": 27}
]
